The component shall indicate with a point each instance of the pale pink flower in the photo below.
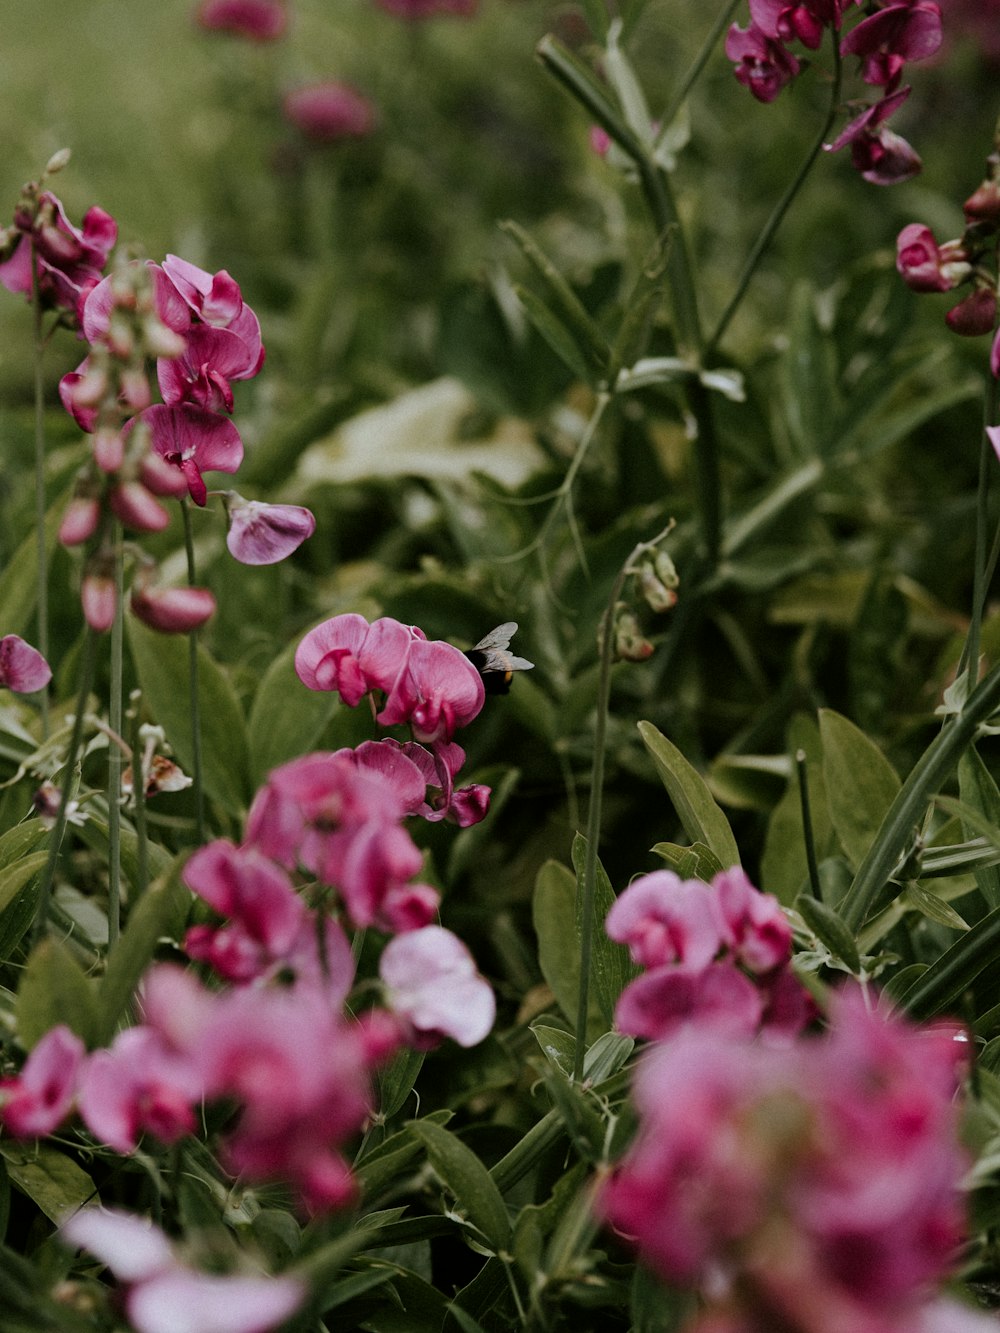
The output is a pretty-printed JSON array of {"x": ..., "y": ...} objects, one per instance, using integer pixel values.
[
  {"x": 664, "y": 919},
  {"x": 328, "y": 112},
  {"x": 257, "y": 20},
  {"x": 79, "y": 522},
  {"x": 263, "y": 534},
  {"x": 432, "y": 981},
  {"x": 23, "y": 669},
  {"x": 166, "y": 1296},
  {"x": 139, "y": 1086},
  {"x": 38, "y": 1100}
]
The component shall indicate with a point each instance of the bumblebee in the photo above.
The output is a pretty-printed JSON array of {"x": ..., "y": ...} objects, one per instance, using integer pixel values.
[{"x": 492, "y": 660}]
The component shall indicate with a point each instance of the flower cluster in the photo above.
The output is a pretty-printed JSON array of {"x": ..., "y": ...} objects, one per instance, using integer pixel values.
[
  {"x": 970, "y": 259},
  {"x": 892, "y": 33},
  {"x": 812, "y": 1186},
  {"x": 44, "y": 248},
  {"x": 424, "y": 683},
  {"x": 718, "y": 955}
]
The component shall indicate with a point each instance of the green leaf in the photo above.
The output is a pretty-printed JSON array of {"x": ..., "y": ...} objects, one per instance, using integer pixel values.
[
  {"x": 860, "y": 783},
  {"x": 160, "y": 912},
  {"x": 933, "y": 906},
  {"x": 554, "y": 916},
  {"x": 558, "y": 1047},
  {"x": 51, "y": 1179},
  {"x": 941, "y": 984},
  {"x": 694, "y": 862},
  {"x": 55, "y": 990},
  {"x": 611, "y": 968},
  {"x": 824, "y": 922},
  {"x": 161, "y": 662},
  {"x": 465, "y": 1321},
  {"x": 14, "y": 877},
  {"x": 286, "y": 719},
  {"x": 20, "y": 840},
  {"x": 977, "y": 789},
  {"x": 461, "y": 1171},
  {"x": 19, "y": 579},
  {"x": 696, "y": 808},
  {"x": 396, "y": 1083},
  {"x": 555, "y": 333}
]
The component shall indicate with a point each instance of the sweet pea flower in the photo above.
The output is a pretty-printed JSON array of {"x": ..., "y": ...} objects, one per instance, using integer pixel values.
[
  {"x": 38, "y": 1100},
  {"x": 328, "y": 112},
  {"x": 886, "y": 40},
  {"x": 23, "y": 669},
  {"x": 193, "y": 441},
  {"x": 202, "y": 373},
  {"x": 170, "y": 610},
  {"x": 924, "y": 265},
  {"x": 69, "y": 259},
  {"x": 257, "y": 20},
  {"x": 432, "y": 982},
  {"x": 347, "y": 655},
  {"x": 715, "y": 998},
  {"x": 164, "y": 1295},
  {"x": 882, "y": 157},
  {"x": 763, "y": 65},
  {"x": 664, "y": 919},
  {"x": 263, "y": 534},
  {"x": 437, "y": 691},
  {"x": 137, "y": 1086},
  {"x": 755, "y": 929}
]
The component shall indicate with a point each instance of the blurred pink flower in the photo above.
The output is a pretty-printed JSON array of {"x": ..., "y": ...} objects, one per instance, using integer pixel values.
[
  {"x": 763, "y": 65},
  {"x": 164, "y": 1294},
  {"x": 263, "y": 534},
  {"x": 327, "y": 112},
  {"x": 170, "y": 610},
  {"x": 664, "y": 919},
  {"x": 38, "y": 1100},
  {"x": 716, "y": 998},
  {"x": 23, "y": 669},
  {"x": 257, "y": 20},
  {"x": 431, "y": 980},
  {"x": 138, "y": 1086},
  {"x": 755, "y": 929},
  {"x": 885, "y": 41}
]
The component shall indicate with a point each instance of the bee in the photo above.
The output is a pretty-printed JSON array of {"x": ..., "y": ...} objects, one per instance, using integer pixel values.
[{"x": 492, "y": 660}]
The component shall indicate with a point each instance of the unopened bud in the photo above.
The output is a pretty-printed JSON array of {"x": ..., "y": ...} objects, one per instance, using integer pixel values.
[
  {"x": 975, "y": 315},
  {"x": 109, "y": 449},
  {"x": 79, "y": 523},
  {"x": 57, "y": 161},
  {"x": 160, "y": 341},
  {"x": 99, "y": 600},
  {"x": 136, "y": 507},
  {"x": 171, "y": 610},
  {"x": 631, "y": 645}
]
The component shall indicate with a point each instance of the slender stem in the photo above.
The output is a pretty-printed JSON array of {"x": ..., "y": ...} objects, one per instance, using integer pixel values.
[
  {"x": 700, "y": 61},
  {"x": 40, "y": 506},
  {"x": 807, "y": 826},
  {"x": 114, "y": 753},
  {"x": 199, "y": 791},
  {"x": 781, "y": 208},
  {"x": 86, "y": 677},
  {"x": 970, "y": 655},
  {"x": 139, "y": 796}
]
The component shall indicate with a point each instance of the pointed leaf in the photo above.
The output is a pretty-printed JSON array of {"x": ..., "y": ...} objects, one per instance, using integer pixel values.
[
  {"x": 286, "y": 719},
  {"x": 948, "y": 976},
  {"x": 555, "y": 333},
  {"x": 694, "y": 862},
  {"x": 932, "y": 906},
  {"x": 461, "y": 1171},
  {"x": 14, "y": 877},
  {"x": 977, "y": 789},
  {"x": 55, "y": 990},
  {"x": 51, "y": 1179},
  {"x": 824, "y": 922},
  {"x": 860, "y": 782},
  {"x": 554, "y": 916},
  {"x": 558, "y": 1047},
  {"x": 611, "y": 968},
  {"x": 696, "y": 808}
]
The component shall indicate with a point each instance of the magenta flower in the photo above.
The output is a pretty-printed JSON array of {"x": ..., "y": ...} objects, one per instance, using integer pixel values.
[
  {"x": 348, "y": 655},
  {"x": 664, "y": 919},
  {"x": 437, "y": 691},
  {"x": 164, "y": 1295},
  {"x": 885, "y": 41},
  {"x": 201, "y": 375},
  {"x": 882, "y": 157},
  {"x": 70, "y": 259},
  {"x": 763, "y": 65},
  {"x": 431, "y": 980},
  {"x": 137, "y": 508},
  {"x": 755, "y": 931},
  {"x": 263, "y": 534},
  {"x": 328, "y": 112},
  {"x": 193, "y": 441},
  {"x": 924, "y": 265},
  {"x": 38, "y": 1100},
  {"x": 22, "y": 668},
  {"x": 716, "y": 998},
  {"x": 257, "y": 20},
  {"x": 139, "y": 1086}
]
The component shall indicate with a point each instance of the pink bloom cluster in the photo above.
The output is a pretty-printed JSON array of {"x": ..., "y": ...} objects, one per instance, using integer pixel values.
[
  {"x": 69, "y": 260},
  {"x": 892, "y": 33},
  {"x": 164, "y": 1294},
  {"x": 718, "y": 956},
  {"x": 424, "y": 683},
  {"x": 926, "y": 266},
  {"x": 812, "y": 1186}
]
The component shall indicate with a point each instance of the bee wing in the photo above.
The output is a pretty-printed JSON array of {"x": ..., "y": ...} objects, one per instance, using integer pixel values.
[{"x": 498, "y": 638}]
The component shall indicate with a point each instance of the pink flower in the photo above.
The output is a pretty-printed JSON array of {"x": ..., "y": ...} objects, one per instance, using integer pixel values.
[
  {"x": 924, "y": 265},
  {"x": 763, "y": 65},
  {"x": 327, "y": 112},
  {"x": 164, "y": 1294},
  {"x": 22, "y": 668},
  {"x": 664, "y": 919},
  {"x": 431, "y": 980},
  {"x": 70, "y": 259},
  {"x": 137, "y": 508},
  {"x": 910, "y": 30},
  {"x": 713, "y": 998},
  {"x": 755, "y": 929},
  {"x": 202, "y": 373},
  {"x": 193, "y": 441},
  {"x": 139, "y": 1086},
  {"x": 882, "y": 157},
  {"x": 170, "y": 610},
  {"x": 348, "y": 655},
  {"x": 263, "y": 534},
  {"x": 39, "y": 1099},
  {"x": 257, "y": 20},
  {"x": 437, "y": 691}
]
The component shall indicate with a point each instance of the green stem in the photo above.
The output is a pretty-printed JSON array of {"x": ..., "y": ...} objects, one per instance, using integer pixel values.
[
  {"x": 807, "y": 826},
  {"x": 195, "y": 705},
  {"x": 907, "y": 809},
  {"x": 784, "y": 204},
  {"x": 139, "y": 796},
  {"x": 114, "y": 753},
  {"x": 43, "y": 562},
  {"x": 86, "y": 677},
  {"x": 970, "y": 655}
]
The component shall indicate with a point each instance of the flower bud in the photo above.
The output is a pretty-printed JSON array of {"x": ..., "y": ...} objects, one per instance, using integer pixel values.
[
  {"x": 975, "y": 315},
  {"x": 57, "y": 161},
  {"x": 171, "y": 610},
  {"x": 136, "y": 507},
  {"x": 79, "y": 523},
  {"x": 99, "y": 600},
  {"x": 109, "y": 449},
  {"x": 983, "y": 205},
  {"x": 924, "y": 265},
  {"x": 630, "y": 644},
  {"x": 135, "y": 390}
]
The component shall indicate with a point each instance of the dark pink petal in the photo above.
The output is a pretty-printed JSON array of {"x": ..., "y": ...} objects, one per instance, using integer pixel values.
[
  {"x": 395, "y": 763},
  {"x": 22, "y": 668},
  {"x": 137, "y": 508},
  {"x": 923, "y": 265},
  {"x": 755, "y": 928},
  {"x": 719, "y": 997},
  {"x": 215, "y": 298},
  {"x": 39, "y": 1100},
  {"x": 763, "y": 65},
  {"x": 869, "y": 120},
  {"x": 171, "y": 610},
  {"x": 194, "y": 441},
  {"x": 263, "y": 534},
  {"x": 409, "y": 907},
  {"x": 974, "y": 316},
  {"x": 890, "y": 37},
  {"x": 258, "y": 20},
  {"x": 242, "y": 884},
  {"x": 326, "y": 112}
]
